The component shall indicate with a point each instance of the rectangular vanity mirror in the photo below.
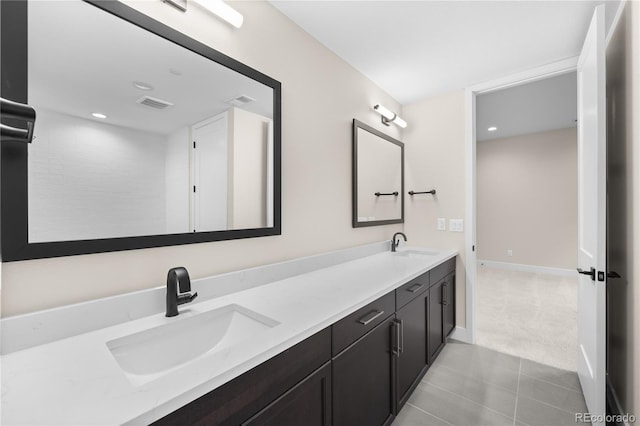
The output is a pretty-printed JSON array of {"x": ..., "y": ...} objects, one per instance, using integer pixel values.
[
  {"x": 144, "y": 137},
  {"x": 378, "y": 177}
]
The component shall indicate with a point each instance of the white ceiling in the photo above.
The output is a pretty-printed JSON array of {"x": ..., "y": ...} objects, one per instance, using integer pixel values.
[
  {"x": 543, "y": 105},
  {"x": 416, "y": 49}
]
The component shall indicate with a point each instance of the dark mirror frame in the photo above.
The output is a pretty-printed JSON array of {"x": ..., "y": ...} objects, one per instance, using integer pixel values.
[
  {"x": 360, "y": 125},
  {"x": 13, "y": 155}
]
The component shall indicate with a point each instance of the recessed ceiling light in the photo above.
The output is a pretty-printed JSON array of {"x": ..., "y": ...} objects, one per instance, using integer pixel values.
[
  {"x": 99, "y": 115},
  {"x": 142, "y": 85},
  {"x": 492, "y": 129}
]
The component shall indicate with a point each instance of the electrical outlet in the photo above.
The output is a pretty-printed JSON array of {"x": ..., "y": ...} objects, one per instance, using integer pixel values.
[
  {"x": 442, "y": 224},
  {"x": 509, "y": 252},
  {"x": 455, "y": 225}
]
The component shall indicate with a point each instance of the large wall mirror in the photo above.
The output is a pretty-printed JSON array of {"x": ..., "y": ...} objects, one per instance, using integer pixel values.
[
  {"x": 378, "y": 177},
  {"x": 143, "y": 137}
]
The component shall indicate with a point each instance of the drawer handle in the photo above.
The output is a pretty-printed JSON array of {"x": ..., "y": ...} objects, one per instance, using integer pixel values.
[
  {"x": 367, "y": 319},
  {"x": 415, "y": 288},
  {"x": 445, "y": 287}
]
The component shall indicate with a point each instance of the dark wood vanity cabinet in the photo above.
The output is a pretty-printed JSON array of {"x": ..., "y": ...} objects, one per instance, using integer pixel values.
[
  {"x": 307, "y": 403},
  {"x": 363, "y": 377},
  {"x": 412, "y": 302},
  {"x": 441, "y": 307},
  {"x": 267, "y": 394},
  {"x": 359, "y": 371},
  {"x": 449, "y": 304}
]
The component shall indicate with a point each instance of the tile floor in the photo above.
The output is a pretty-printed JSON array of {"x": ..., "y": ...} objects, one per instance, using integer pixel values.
[{"x": 469, "y": 385}]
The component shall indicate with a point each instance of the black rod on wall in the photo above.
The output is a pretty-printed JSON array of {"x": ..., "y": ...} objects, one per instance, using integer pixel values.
[
  {"x": 433, "y": 192},
  {"x": 395, "y": 193}
]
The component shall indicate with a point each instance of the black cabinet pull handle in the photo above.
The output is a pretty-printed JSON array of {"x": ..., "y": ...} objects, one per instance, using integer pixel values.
[
  {"x": 445, "y": 302},
  {"x": 591, "y": 273},
  {"x": 401, "y": 342},
  {"x": 415, "y": 288},
  {"x": 367, "y": 319},
  {"x": 394, "y": 193}
]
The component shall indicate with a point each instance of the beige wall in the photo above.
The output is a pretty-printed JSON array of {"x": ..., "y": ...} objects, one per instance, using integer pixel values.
[
  {"x": 321, "y": 94},
  {"x": 623, "y": 228},
  {"x": 527, "y": 199},
  {"x": 435, "y": 159}
]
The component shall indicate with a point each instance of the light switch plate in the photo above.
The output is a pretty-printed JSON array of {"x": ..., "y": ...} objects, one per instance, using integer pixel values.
[
  {"x": 455, "y": 225},
  {"x": 442, "y": 224}
]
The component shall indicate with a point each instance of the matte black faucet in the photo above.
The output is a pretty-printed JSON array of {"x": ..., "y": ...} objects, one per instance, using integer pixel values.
[
  {"x": 394, "y": 243},
  {"x": 178, "y": 277}
]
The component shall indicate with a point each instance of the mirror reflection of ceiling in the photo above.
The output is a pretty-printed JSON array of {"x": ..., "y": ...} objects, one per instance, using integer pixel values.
[
  {"x": 543, "y": 105},
  {"x": 66, "y": 74}
]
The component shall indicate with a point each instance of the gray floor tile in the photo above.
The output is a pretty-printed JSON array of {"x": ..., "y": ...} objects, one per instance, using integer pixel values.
[
  {"x": 568, "y": 379},
  {"x": 558, "y": 396},
  {"x": 413, "y": 416},
  {"x": 536, "y": 413},
  {"x": 481, "y": 364},
  {"x": 454, "y": 409},
  {"x": 490, "y": 395}
]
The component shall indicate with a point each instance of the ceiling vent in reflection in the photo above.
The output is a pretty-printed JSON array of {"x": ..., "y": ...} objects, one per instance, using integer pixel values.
[
  {"x": 154, "y": 102},
  {"x": 240, "y": 100}
]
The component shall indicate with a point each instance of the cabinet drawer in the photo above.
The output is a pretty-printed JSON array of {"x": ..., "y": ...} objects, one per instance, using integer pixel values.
[
  {"x": 440, "y": 271},
  {"x": 351, "y": 328},
  {"x": 411, "y": 290}
]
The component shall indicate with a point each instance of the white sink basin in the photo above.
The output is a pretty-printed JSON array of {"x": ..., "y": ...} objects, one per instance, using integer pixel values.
[
  {"x": 149, "y": 354},
  {"x": 415, "y": 253}
]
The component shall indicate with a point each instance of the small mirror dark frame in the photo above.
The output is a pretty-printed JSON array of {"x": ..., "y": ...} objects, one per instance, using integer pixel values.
[
  {"x": 356, "y": 224},
  {"x": 13, "y": 155}
]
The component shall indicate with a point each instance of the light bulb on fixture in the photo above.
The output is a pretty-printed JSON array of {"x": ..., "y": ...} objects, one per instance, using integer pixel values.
[
  {"x": 224, "y": 11},
  {"x": 389, "y": 116}
]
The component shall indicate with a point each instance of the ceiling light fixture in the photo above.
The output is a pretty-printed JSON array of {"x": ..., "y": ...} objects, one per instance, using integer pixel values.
[
  {"x": 389, "y": 116},
  {"x": 492, "y": 129},
  {"x": 142, "y": 85},
  {"x": 99, "y": 115}
]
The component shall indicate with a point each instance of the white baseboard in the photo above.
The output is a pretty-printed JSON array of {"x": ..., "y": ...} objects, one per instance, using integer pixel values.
[
  {"x": 461, "y": 334},
  {"x": 528, "y": 268}
]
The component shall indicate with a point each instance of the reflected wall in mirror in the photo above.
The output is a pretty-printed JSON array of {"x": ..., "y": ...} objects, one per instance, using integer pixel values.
[
  {"x": 378, "y": 177},
  {"x": 143, "y": 136}
]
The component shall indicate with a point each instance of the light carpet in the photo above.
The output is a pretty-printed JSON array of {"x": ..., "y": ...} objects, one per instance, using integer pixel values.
[{"x": 528, "y": 315}]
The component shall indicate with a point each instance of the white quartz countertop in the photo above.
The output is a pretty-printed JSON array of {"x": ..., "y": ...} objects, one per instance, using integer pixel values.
[{"x": 78, "y": 381}]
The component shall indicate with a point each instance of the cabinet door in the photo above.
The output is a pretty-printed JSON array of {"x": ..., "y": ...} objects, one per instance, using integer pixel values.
[
  {"x": 436, "y": 335},
  {"x": 363, "y": 375},
  {"x": 412, "y": 355},
  {"x": 448, "y": 304},
  {"x": 308, "y": 403}
]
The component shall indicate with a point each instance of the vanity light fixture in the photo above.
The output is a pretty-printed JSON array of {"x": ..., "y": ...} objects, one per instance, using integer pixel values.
[
  {"x": 492, "y": 129},
  {"x": 99, "y": 115},
  {"x": 224, "y": 11},
  {"x": 217, "y": 7},
  {"x": 389, "y": 116}
]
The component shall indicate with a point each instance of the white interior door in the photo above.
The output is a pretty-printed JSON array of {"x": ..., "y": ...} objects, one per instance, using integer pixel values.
[
  {"x": 592, "y": 216},
  {"x": 210, "y": 174}
]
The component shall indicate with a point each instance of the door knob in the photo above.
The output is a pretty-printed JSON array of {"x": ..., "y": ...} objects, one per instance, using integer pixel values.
[{"x": 591, "y": 272}]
